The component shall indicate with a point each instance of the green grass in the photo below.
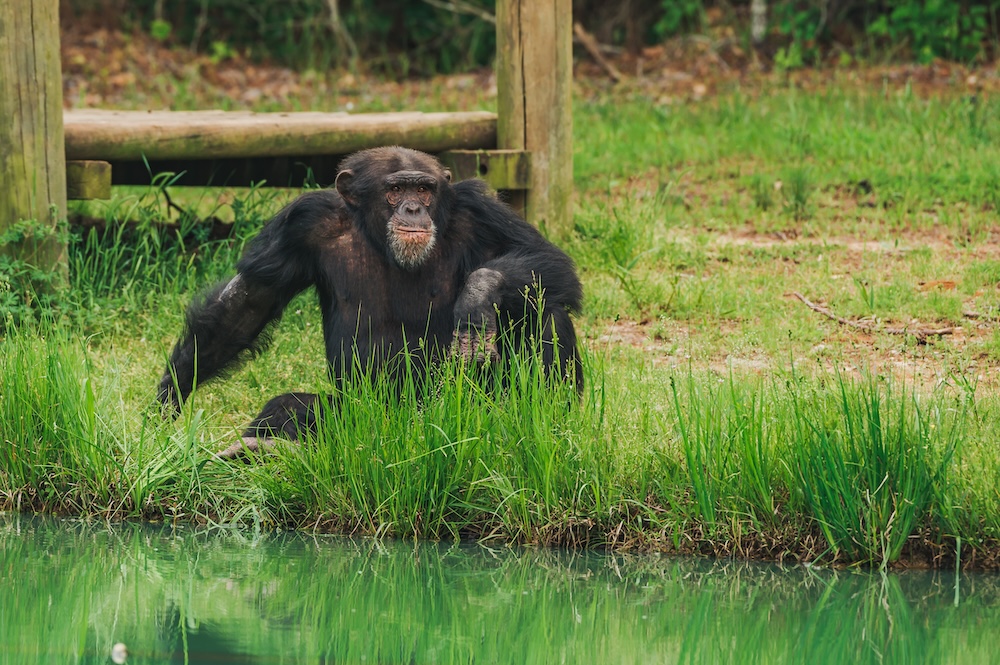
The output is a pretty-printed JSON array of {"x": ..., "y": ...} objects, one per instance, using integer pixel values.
[
  {"x": 721, "y": 415},
  {"x": 880, "y": 194},
  {"x": 448, "y": 456},
  {"x": 765, "y": 466}
]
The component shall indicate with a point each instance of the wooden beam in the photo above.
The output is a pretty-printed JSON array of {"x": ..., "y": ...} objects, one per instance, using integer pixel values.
[
  {"x": 32, "y": 165},
  {"x": 510, "y": 85},
  {"x": 534, "y": 101},
  {"x": 164, "y": 135},
  {"x": 88, "y": 179},
  {"x": 501, "y": 169}
]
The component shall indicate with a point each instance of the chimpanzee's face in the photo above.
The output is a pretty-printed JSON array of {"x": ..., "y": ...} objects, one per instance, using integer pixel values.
[
  {"x": 396, "y": 194},
  {"x": 411, "y": 231}
]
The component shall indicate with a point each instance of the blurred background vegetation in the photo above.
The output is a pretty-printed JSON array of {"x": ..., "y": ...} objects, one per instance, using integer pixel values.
[{"x": 419, "y": 38}]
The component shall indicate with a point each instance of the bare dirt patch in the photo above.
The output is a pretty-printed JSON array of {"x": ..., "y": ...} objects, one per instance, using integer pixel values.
[
  {"x": 922, "y": 353},
  {"x": 114, "y": 68},
  {"x": 847, "y": 353}
]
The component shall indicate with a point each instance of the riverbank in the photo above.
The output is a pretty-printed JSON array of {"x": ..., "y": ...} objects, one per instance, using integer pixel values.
[{"x": 782, "y": 467}]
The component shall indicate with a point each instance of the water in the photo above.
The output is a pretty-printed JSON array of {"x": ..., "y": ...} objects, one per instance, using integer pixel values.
[{"x": 70, "y": 590}]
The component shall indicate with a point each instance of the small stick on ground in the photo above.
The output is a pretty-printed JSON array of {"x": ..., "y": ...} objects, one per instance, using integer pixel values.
[
  {"x": 978, "y": 316},
  {"x": 857, "y": 325},
  {"x": 594, "y": 50},
  {"x": 920, "y": 333}
]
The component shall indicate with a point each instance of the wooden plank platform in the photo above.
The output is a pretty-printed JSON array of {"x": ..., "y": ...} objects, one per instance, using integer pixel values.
[{"x": 183, "y": 135}]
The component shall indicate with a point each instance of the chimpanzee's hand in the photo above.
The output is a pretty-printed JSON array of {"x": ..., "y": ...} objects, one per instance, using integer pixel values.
[
  {"x": 477, "y": 344},
  {"x": 476, "y": 317}
]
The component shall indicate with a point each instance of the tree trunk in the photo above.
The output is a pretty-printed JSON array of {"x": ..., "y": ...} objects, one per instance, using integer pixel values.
[{"x": 758, "y": 20}]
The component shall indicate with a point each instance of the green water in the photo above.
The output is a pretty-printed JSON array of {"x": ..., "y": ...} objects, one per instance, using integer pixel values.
[{"x": 70, "y": 590}]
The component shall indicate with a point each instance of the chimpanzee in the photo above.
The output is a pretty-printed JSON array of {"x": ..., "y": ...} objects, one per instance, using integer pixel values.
[{"x": 402, "y": 261}]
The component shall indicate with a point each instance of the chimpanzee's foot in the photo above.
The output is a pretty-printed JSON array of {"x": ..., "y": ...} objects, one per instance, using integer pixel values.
[{"x": 246, "y": 448}]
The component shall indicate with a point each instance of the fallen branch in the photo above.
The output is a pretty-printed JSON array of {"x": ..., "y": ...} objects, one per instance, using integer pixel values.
[
  {"x": 920, "y": 333},
  {"x": 459, "y": 7},
  {"x": 594, "y": 49},
  {"x": 978, "y": 316}
]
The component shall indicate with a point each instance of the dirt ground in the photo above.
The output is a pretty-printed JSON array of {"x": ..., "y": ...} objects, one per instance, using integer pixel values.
[{"x": 108, "y": 68}]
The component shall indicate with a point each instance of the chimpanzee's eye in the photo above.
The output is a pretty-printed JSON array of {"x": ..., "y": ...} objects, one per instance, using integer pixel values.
[
  {"x": 422, "y": 188},
  {"x": 396, "y": 188}
]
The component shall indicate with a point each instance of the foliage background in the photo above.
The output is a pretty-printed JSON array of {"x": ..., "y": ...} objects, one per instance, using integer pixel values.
[{"x": 403, "y": 37}]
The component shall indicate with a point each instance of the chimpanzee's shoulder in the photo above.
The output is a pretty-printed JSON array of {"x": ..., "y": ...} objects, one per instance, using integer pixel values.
[{"x": 319, "y": 213}]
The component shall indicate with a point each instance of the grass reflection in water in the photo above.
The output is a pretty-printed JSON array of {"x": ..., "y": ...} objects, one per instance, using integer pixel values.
[{"x": 71, "y": 590}]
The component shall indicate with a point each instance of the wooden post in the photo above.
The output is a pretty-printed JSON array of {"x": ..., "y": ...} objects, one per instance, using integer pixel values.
[
  {"x": 534, "y": 102},
  {"x": 32, "y": 153}
]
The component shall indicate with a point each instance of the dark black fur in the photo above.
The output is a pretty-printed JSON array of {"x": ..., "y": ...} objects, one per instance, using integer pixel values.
[{"x": 485, "y": 260}]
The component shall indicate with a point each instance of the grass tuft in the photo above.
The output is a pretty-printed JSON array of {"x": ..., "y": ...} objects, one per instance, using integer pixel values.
[{"x": 868, "y": 465}]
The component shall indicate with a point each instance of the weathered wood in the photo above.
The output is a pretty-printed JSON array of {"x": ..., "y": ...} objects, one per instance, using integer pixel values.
[
  {"x": 534, "y": 120},
  {"x": 32, "y": 165},
  {"x": 510, "y": 86},
  {"x": 501, "y": 169},
  {"x": 534, "y": 82},
  {"x": 88, "y": 179},
  {"x": 130, "y": 135}
]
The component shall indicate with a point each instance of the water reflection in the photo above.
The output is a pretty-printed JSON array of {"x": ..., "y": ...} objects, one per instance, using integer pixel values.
[{"x": 70, "y": 591}]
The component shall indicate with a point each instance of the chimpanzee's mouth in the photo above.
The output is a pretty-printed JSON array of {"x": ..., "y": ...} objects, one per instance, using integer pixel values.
[{"x": 411, "y": 245}]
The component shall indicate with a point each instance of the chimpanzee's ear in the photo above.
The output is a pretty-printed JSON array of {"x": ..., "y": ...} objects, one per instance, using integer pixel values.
[
  {"x": 447, "y": 175},
  {"x": 344, "y": 179}
]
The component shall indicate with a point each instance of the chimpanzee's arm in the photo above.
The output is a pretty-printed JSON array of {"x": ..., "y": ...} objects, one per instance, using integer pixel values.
[
  {"x": 221, "y": 326},
  {"x": 227, "y": 323},
  {"x": 515, "y": 259},
  {"x": 521, "y": 270}
]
